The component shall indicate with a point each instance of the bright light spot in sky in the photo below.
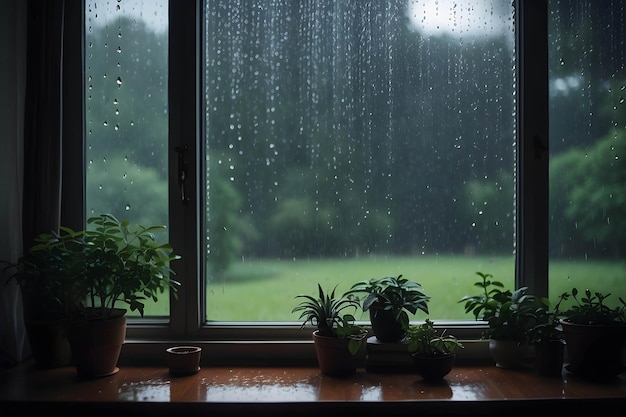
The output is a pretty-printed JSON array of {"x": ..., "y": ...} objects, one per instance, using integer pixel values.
[
  {"x": 153, "y": 12},
  {"x": 461, "y": 17},
  {"x": 430, "y": 17}
]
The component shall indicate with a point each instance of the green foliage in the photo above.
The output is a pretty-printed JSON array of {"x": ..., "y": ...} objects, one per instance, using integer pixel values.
[
  {"x": 591, "y": 308},
  {"x": 482, "y": 304},
  {"x": 424, "y": 339},
  {"x": 487, "y": 204},
  {"x": 601, "y": 195},
  {"x": 589, "y": 193},
  {"x": 397, "y": 294},
  {"x": 136, "y": 192},
  {"x": 47, "y": 275},
  {"x": 84, "y": 274},
  {"x": 545, "y": 326},
  {"x": 224, "y": 223},
  {"x": 509, "y": 315},
  {"x": 123, "y": 263},
  {"x": 326, "y": 312}
]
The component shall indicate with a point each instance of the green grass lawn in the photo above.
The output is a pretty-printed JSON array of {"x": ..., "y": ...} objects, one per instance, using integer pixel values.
[{"x": 264, "y": 290}]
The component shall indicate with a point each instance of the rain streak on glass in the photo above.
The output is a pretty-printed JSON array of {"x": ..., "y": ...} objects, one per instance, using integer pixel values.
[
  {"x": 358, "y": 139},
  {"x": 127, "y": 113}
]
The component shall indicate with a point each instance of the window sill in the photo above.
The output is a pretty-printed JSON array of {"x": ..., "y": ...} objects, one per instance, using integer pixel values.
[
  {"x": 145, "y": 352},
  {"x": 301, "y": 390}
]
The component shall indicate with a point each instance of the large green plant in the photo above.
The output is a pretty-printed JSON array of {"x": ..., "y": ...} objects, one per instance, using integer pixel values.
[
  {"x": 328, "y": 313},
  {"x": 397, "y": 294},
  {"x": 123, "y": 263},
  {"x": 46, "y": 275}
]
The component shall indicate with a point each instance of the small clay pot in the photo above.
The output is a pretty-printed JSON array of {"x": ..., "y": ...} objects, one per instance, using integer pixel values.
[{"x": 183, "y": 360}]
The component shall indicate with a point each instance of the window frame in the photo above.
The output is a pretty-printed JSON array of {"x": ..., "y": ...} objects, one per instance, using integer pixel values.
[{"x": 285, "y": 340}]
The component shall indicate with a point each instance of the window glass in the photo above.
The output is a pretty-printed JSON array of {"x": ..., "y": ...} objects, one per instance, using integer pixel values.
[
  {"x": 587, "y": 146},
  {"x": 126, "y": 115},
  {"x": 347, "y": 140}
]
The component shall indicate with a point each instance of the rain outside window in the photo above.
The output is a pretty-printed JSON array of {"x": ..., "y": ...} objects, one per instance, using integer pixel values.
[{"x": 347, "y": 140}]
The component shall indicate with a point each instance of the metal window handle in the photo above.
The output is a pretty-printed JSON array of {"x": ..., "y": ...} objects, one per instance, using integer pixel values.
[{"x": 182, "y": 172}]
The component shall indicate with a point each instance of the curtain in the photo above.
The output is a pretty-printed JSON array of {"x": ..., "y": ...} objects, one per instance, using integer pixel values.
[
  {"x": 43, "y": 128},
  {"x": 42, "y": 100},
  {"x": 13, "y": 344}
]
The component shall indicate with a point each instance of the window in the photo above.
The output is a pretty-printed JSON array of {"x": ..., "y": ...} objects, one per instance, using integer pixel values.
[
  {"x": 587, "y": 146},
  {"x": 126, "y": 114},
  {"x": 346, "y": 140},
  {"x": 352, "y": 140}
]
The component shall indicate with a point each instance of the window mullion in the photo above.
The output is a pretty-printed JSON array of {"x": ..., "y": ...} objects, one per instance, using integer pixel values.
[
  {"x": 184, "y": 39},
  {"x": 532, "y": 146}
]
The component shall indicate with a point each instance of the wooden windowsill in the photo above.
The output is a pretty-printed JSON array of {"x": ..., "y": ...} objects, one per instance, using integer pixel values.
[{"x": 299, "y": 391}]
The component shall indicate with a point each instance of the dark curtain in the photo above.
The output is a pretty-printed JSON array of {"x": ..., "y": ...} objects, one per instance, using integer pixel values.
[
  {"x": 43, "y": 130},
  {"x": 52, "y": 101},
  {"x": 53, "y": 116}
]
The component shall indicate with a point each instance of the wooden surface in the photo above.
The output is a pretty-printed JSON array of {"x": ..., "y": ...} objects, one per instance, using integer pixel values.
[{"x": 298, "y": 391}]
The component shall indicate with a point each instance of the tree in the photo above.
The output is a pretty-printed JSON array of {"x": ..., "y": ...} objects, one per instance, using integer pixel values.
[{"x": 598, "y": 201}]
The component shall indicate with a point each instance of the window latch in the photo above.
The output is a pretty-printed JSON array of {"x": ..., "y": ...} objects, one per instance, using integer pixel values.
[{"x": 182, "y": 172}]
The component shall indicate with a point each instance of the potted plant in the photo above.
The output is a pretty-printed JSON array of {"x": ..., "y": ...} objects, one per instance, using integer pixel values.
[
  {"x": 509, "y": 316},
  {"x": 46, "y": 275},
  {"x": 594, "y": 333},
  {"x": 545, "y": 335},
  {"x": 433, "y": 354},
  {"x": 389, "y": 300},
  {"x": 121, "y": 264},
  {"x": 337, "y": 338}
]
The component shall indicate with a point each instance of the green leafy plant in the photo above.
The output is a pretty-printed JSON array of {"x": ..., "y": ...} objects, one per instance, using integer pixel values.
[
  {"x": 591, "y": 308},
  {"x": 424, "y": 339},
  {"x": 123, "y": 263},
  {"x": 546, "y": 325},
  {"x": 397, "y": 294},
  {"x": 509, "y": 315},
  {"x": 46, "y": 275},
  {"x": 86, "y": 274},
  {"x": 327, "y": 312}
]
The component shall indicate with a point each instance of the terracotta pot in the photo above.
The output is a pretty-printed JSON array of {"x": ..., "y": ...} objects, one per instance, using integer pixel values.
[
  {"x": 333, "y": 357},
  {"x": 384, "y": 325},
  {"x": 48, "y": 341},
  {"x": 96, "y": 346},
  {"x": 183, "y": 360},
  {"x": 508, "y": 353},
  {"x": 595, "y": 352},
  {"x": 433, "y": 368}
]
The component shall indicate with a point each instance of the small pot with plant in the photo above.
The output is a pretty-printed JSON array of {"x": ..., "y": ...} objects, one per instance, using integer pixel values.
[
  {"x": 433, "y": 353},
  {"x": 546, "y": 336},
  {"x": 594, "y": 333},
  {"x": 337, "y": 338},
  {"x": 389, "y": 301},
  {"x": 509, "y": 316}
]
